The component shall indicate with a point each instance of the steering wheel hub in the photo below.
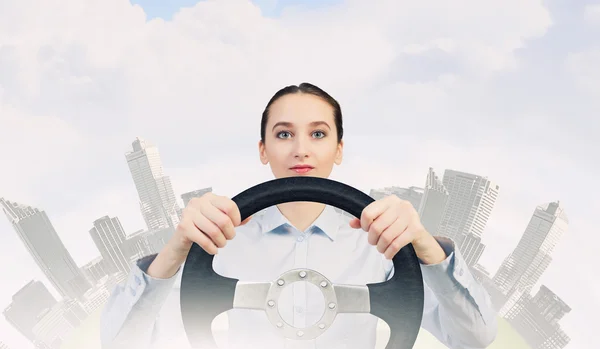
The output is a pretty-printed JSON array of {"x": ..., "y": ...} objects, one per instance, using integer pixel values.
[{"x": 287, "y": 279}]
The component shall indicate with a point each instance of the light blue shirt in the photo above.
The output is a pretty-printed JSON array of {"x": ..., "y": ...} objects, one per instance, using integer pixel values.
[{"x": 144, "y": 312}]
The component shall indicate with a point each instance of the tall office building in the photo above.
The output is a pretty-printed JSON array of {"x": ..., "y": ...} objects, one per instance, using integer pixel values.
[
  {"x": 186, "y": 197},
  {"x": 472, "y": 248},
  {"x": 96, "y": 269},
  {"x": 433, "y": 203},
  {"x": 412, "y": 194},
  {"x": 43, "y": 243},
  {"x": 523, "y": 268},
  {"x": 537, "y": 319},
  {"x": 470, "y": 204},
  {"x": 109, "y": 236},
  {"x": 157, "y": 198},
  {"x": 28, "y": 306},
  {"x": 57, "y": 324}
]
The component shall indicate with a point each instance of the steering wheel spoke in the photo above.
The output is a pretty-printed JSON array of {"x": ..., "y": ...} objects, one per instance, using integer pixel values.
[
  {"x": 251, "y": 295},
  {"x": 352, "y": 299}
]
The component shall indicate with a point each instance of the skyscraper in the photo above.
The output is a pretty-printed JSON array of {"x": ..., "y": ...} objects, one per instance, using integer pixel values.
[
  {"x": 412, "y": 194},
  {"x": 186, "y": 197},
  {"x": 28, "y": 305},
  {"x": 43, "y": 243},
  {"x": 537, "y": 319},
  {"x": 157, "y": 198},
  {"x": 472, "y": 248},
  {"x": 96, "y": 269},
  {"x": 110, "y": 239},
  {"x": 523, "y": 268},
  {"x": 433, "y": 203},
  {"x": 470, "y": 204}
]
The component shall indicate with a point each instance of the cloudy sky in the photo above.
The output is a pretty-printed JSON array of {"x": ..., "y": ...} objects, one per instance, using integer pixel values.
[{"x": 505, "y": 89}]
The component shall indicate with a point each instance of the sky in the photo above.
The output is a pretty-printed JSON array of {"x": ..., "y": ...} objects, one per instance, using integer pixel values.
[
  {"x": 505, "y": 89},
  {"x": 269, "y": 8}
]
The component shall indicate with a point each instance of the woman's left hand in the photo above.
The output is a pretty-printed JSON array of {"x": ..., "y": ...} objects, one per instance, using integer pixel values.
[{"x": 393, "y": 223}]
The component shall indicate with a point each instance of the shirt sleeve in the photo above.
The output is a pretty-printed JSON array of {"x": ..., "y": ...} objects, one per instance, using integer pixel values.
[
  {"x": 129, "y": 316},
  {"x": 458, "y": 310}
]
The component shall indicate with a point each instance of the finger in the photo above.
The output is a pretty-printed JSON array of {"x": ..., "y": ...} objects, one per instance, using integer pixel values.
[
  {"x": 371, "y": 212},
  {"x": 206, "y": 243},
  {"x": 219, "y": 219},
  {"x": 194, "y": 234},
  {"x": 396, "y": 228},
  {"x": 355, "y": 223},
  {"x": 381, "y": 223},
  {"x": 207, "y": 226},
  {"x": 229, "y": 207},
  {"x": 399, "y": 242},
  {"x": 246, "y": 220}
]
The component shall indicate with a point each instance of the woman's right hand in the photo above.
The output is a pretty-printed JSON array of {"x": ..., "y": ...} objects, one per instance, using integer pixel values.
[{"x": 209, "y": 221}]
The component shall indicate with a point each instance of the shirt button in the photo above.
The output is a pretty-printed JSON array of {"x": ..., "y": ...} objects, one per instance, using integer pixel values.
[
  {"x": 300, "y": 238},
  {"x": 299, "y": 310}
]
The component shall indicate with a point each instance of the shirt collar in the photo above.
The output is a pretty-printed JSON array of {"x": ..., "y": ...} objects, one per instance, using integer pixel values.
[{"x": 328, "y": 222}]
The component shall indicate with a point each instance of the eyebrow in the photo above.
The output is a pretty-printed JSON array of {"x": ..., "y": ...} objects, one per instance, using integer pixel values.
[{"x": 289, "y": 124}]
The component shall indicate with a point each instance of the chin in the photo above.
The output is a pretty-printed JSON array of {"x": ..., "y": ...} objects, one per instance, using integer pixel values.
[{"x": 306, "y": 175}]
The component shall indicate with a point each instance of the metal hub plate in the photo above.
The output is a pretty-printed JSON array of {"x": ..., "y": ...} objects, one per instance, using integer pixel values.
[{"x": 329, "y": 295}]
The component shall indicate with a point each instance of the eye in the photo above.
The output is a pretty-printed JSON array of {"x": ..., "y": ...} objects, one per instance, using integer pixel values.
[
  {"x": 282, "y": 134},
  {"x": 319, "y": 134}
]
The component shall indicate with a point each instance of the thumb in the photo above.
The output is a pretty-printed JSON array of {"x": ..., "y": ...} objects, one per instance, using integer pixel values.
[
  {"x": 355, "y": 223},
  {"x": 245, "y": 220}
]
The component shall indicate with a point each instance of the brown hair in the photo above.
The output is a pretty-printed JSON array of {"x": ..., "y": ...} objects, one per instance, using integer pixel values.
[{"x": 310, "y": 89}]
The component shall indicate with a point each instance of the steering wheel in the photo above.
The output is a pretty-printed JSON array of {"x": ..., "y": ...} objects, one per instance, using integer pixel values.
[{"x": 206, "y": 294}]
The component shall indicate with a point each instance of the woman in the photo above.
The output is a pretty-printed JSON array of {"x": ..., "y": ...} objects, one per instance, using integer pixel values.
[{"x": 301, "y": 135}]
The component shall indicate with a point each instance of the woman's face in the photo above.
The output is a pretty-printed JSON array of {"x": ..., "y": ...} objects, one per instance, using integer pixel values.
[{"x": 301, "y": 137}]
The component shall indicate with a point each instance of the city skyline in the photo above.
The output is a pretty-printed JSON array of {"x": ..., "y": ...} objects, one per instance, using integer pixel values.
[{"x": 119, "y": 249}]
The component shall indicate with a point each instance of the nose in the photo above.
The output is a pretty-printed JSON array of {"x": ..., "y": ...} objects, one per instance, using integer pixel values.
[{"x": 301, "y": 148}]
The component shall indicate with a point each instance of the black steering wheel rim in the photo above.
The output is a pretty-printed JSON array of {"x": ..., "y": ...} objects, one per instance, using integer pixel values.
[{"x": 204, "y": 294}]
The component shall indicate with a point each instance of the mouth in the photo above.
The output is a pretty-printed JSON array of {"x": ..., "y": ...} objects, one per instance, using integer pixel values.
[{"x": 301, "y": 168}]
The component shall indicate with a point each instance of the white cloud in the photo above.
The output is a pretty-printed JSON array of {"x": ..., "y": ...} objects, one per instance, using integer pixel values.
[
  {"x": 33, "y": 147},
  {"x": 592, "y": 14},
  {"x": 207, "y": 63},
  {"x": 221, "y": 61},
  {"x": 584, "y": 67}
]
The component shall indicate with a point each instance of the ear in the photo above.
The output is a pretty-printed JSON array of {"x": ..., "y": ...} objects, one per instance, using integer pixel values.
[
  {"x": 340, "y": 153},
  {"x": 262, "y": 153}
]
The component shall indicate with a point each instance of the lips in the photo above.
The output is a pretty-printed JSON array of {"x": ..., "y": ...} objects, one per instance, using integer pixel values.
[{"x": 302, "y": 168}]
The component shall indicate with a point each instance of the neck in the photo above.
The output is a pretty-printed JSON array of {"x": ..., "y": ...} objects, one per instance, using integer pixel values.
[{"x": 301, "y": 214}]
